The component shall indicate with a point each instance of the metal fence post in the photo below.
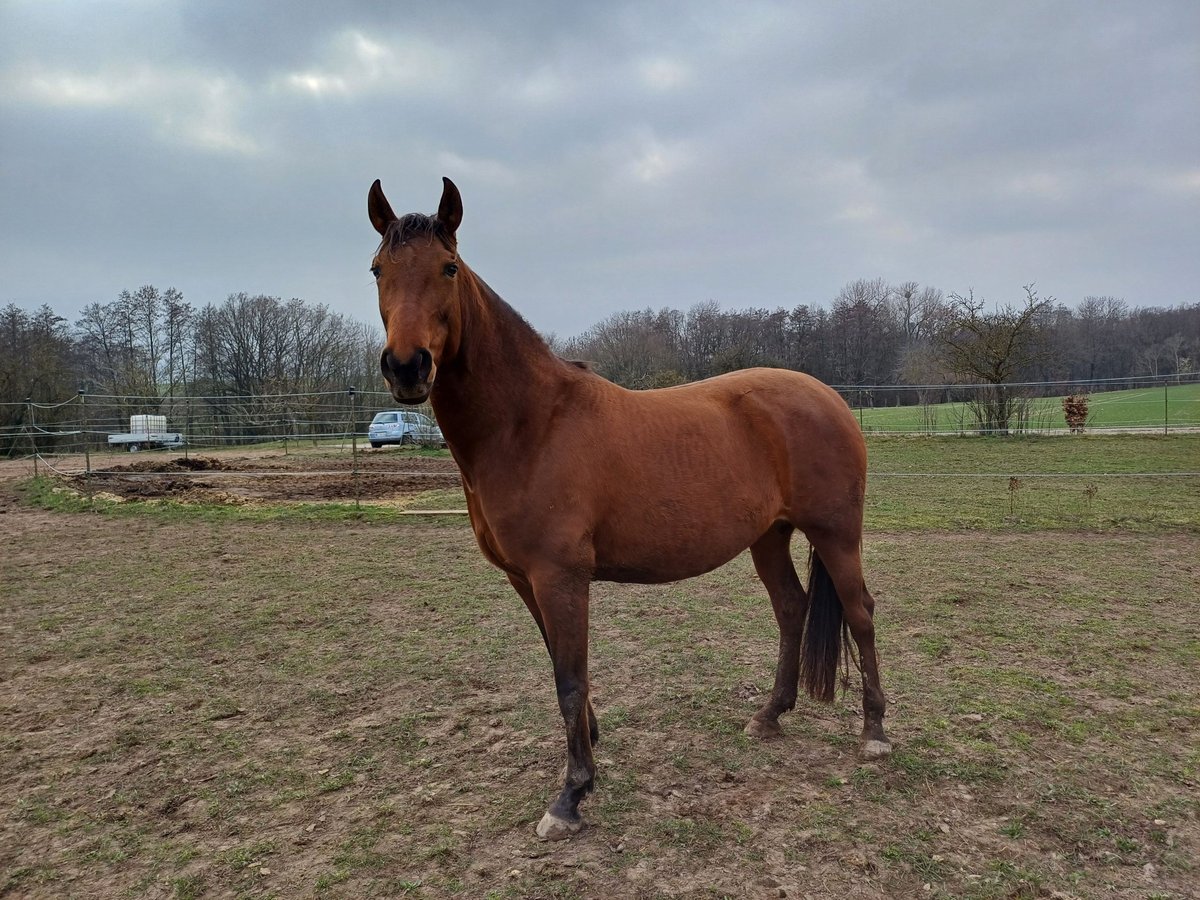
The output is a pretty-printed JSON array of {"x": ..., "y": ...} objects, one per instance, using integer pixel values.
[
  {"x": 87, "y": 434},
  {"x": 354, "y": 444},
  {"x": 353, "y": 432},
  {"x": 31, "y": 427}
]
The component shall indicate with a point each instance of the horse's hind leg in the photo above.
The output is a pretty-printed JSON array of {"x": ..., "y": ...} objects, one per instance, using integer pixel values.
[
  {"x": 842, "y": 559},
  {"x": 773, "y": 562}
]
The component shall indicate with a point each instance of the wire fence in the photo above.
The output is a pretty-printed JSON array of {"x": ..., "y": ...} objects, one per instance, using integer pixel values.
[
  {"x": 86, "y": 423},
  {"x": 86, "y": 440},
  {"x": 1147, "y": 403},
  {"x": 98, "y": 422}
]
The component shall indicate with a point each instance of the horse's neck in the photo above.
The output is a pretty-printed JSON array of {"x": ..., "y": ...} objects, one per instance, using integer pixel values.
[{"x": 502, "y": 375}]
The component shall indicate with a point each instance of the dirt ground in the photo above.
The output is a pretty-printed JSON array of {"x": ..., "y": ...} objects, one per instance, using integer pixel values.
[
  {"x": 235, "y": 707},
  {"x": 230, "y": 477}
]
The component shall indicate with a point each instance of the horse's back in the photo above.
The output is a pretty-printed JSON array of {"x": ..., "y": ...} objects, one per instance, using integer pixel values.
[
  {"x": 791, "y": 393},
  {"x": 762, "y": 410}
]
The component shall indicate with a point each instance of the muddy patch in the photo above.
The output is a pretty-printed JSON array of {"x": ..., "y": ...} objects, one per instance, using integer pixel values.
[{"x": 380, "y": 476}]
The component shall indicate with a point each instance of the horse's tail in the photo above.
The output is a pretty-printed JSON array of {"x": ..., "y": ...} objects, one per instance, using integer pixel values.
[{"x": 824, "y": 633}]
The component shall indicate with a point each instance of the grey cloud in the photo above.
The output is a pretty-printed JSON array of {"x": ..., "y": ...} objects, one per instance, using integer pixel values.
[{"x": 610, "y": 155}]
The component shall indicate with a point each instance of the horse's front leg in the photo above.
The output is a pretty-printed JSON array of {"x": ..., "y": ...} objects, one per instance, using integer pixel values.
[
  {"x": 525, "y": 590},
  {"x": 563, "y": 604}
]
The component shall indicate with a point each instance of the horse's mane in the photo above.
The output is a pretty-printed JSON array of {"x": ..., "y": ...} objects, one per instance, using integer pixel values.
[
  {"x": 414, "y": 225},
  {"x": 517, "y": 327}
]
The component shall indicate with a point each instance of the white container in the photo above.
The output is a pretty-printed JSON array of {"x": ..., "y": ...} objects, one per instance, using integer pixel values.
[{"x": 147, "y": 424}]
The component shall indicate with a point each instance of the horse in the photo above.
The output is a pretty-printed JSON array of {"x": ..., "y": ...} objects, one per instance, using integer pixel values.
[{"x": 571, "y": 479}]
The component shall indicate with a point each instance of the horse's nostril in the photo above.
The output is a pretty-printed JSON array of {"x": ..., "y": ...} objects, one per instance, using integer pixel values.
[
  {"x": 416, "y": 370},
  {"x": 392, "y": 367},
  {"x": 424, "y": 363}
]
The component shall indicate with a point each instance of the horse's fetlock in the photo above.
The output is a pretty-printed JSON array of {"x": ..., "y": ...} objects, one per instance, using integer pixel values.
[{"x": 580, "y": 778}]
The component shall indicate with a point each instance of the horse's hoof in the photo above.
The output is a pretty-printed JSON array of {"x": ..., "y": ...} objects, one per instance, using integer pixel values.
[
  {"x": 763, "y": 729},
  {"x": 552, "y": 828},
  {"x": 874, "y": 750}
]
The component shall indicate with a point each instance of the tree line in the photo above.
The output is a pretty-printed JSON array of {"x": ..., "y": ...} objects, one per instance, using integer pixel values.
[
  {"x": 151, "y": 343},
  {"x": 879, "y": 334},
  {"x": 906, "y": 341}
]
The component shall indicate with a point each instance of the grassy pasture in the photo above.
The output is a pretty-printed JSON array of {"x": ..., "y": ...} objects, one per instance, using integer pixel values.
[
  {"x": 303, "y": 702},
  {"x": 1093, "y": 482},
  {"x": 1129, "y": 482},
  {"x": 1126, "y": 482},
  {"x": 1136, "y": 408}
]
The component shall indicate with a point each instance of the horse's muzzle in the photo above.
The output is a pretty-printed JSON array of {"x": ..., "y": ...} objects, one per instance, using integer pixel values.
[{"x": 409, "y": 380}]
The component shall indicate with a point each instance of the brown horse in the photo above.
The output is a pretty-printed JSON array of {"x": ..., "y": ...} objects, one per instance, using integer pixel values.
[{"x": 571, "y": 479}]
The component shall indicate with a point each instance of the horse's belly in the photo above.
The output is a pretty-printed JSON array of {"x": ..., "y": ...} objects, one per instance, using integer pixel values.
[
  {"x": 653, "y": 552},
  {"x": 654, "y": 573}
]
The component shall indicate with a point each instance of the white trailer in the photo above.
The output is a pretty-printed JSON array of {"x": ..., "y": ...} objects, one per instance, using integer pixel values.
[{"x": 145, "y": 433}]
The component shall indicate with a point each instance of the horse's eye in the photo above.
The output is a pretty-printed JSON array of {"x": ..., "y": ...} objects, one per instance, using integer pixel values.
[
  {"x": 375, "y": 271},
  {"x": 451, "y": 269}
]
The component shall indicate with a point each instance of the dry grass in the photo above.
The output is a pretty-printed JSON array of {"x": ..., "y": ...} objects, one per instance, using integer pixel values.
[{"x": 241, "y": 707}]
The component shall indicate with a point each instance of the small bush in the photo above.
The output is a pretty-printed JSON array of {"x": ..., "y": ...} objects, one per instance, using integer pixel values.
[{"x": 1075, "y": 409}]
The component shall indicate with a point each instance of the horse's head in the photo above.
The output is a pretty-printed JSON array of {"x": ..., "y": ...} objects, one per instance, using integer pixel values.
[{"x": 416, "y": 269}]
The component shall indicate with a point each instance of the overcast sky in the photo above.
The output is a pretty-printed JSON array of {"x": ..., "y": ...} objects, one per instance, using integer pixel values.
[{"x": 610, "y": 155}]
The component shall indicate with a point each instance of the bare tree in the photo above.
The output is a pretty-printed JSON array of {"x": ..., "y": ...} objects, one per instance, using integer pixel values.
[
  {"x": 176, "y": 327},
  {"x": 921, "y": 312},
  {"x": 36, "y": 362},
  {"x": 809, "y": 345},
  {"x": 702, "y": 339},
  {"x": 867, "y": 334},
  {"x": 1099, "y": 322},
  {"x": 103, "y": 353},
  {"x": 634, "y": 349},
  {"x": 993, "y": 349}
]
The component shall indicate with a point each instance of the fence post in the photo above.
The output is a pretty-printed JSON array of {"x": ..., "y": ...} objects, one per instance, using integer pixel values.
[
  {"x": 87, "y": 433},
  {"x": 353, "y": 432},
  {"x": 31, "y": 427},
  {"x": 1166, "y": 415},
  {"x": 354, "y": 444}
]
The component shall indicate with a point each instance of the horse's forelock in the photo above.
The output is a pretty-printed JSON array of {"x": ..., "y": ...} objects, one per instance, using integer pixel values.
[{"x": 414, "y": 225}]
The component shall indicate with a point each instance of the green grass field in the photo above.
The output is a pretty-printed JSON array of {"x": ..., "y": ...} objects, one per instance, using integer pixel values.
[
  {"x": 1132, "y": 482},
  {"x": 1178, "y": 405}
]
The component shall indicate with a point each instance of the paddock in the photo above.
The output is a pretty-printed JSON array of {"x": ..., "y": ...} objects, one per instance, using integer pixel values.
[{"x": 300, "y": 700}]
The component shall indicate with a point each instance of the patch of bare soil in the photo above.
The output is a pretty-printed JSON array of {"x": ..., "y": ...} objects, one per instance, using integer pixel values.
[
  {"x": 384, "y": 475},
  {"x": 178, "y": 464}
]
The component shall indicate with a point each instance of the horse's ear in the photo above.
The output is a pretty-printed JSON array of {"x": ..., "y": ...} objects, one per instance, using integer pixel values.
[
  {"x": 379, "y": 209},
  {"x": 450, "y": 209}
]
